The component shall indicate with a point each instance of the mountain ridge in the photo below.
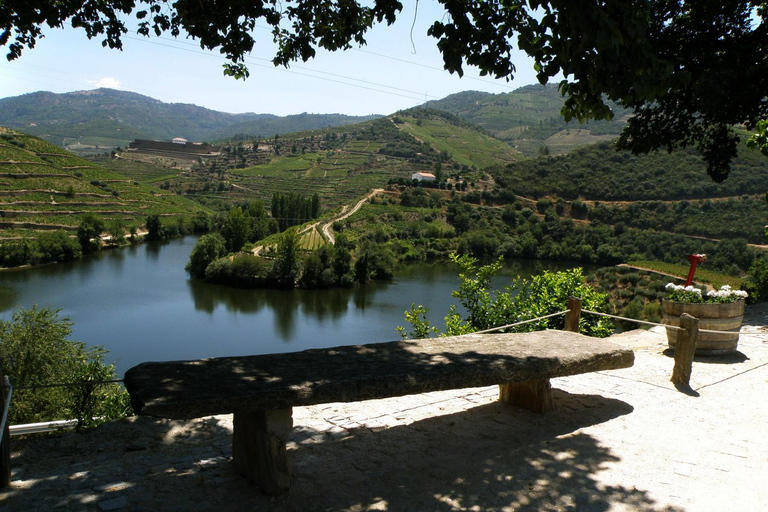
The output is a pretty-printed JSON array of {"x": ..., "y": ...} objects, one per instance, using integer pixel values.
[{"x": 102, "y": 119}]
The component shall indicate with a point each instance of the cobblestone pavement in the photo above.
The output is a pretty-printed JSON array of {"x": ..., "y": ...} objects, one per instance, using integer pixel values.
[{"x": 618, "y": 441}]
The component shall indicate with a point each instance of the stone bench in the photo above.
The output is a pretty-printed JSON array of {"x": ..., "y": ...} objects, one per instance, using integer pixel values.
[{"x": 261, "y": 390}]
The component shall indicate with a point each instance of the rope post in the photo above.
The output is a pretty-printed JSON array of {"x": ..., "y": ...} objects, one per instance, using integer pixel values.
[
  {"x": 573, "y": 314},
  {"x": 5, "y": 441},
  {"x": 685, "y": 346}
]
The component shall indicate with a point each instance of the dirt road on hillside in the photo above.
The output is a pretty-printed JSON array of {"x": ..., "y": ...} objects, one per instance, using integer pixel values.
[{"x": 327, "y": 228}]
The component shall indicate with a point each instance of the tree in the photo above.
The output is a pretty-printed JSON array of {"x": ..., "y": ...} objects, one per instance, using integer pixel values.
[
  {"x": 154, "y": 228},
  {"x": 759, "y": 139},
  {"x": 486, "y": 308},
  {"x": 286, "y": 266},
  {"x": 207, "y": 249},
  {"x": 35, "y": 349},
  {"x": 90, "y": 228},
  {"x": 342, "y": 260},
  {"x": 689, "y": 70},
  {"x": 236, "y": 229},
  {"x": 116, "y": 230}
]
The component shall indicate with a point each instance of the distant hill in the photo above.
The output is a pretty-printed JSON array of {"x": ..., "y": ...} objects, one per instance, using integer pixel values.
[
  {"x": 102, "y": 119},
  {"x": 340, "y": 164},
  {"x": 658, "y": 191},
  {"x": 601, "y": 173},
  {"x": 529, "y": 119},
  {"x": 44, "y": 188}
]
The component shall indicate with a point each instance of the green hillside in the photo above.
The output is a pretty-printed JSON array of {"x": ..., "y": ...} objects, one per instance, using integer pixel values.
[
  {"x": 44, "y": 188},
  {"x": 340, "y": 164},
  {"x": 658, "y": 191},
  {"x": 448, "y": 134},
  {"x": 529, "y": 119},
  {"x": 599, "y": 172},
  {"x": 93, "y": 121}
]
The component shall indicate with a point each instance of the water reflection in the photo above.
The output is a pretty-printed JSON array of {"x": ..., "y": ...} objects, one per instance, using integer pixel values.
[
  {"x": 143, "y": 306},
  {"x": 152, "y": 249},
  {"x": 287, "y": 306},
  {"x": 8, "y": 297}
]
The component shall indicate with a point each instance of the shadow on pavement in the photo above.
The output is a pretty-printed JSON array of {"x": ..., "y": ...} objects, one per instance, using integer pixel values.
[{"x": 485, "y": 458}]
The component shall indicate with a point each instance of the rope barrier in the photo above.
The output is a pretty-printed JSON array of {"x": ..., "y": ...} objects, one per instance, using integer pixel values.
[
  {"x": 84, "y": 383},
  {"x": 675, "y": 327},
  {"x": 634, "y": 320},
  {"x": 522, "y": 322}
]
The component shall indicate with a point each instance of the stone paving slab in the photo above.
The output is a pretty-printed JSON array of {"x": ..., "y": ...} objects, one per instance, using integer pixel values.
[{"x": 623, "y": 440}]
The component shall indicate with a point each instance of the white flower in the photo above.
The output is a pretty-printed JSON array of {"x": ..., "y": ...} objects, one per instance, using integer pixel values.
[
  {"x": 741, "y": 293},
  {"x": 725, "y": 287},
  {"x": 689, "y": 288},
  {"x": 712, "y": 293},
  {"x": 671, "y": 285}
]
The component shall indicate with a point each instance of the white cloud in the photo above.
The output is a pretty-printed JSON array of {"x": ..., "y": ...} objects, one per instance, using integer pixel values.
[{"x": 109, "y": 82}]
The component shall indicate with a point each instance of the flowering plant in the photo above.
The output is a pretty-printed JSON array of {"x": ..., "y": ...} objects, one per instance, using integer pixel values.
[{"x": 689, "y": 294}]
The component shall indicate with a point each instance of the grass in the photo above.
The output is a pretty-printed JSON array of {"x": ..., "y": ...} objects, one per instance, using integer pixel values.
[
  {"x": 282, "y": 164},
  {"x": 58, "y": 187},
  {"x": 311, "y": 240},
  {"x": 467, "y": 147},
  {"x": 716, "y": 279}
]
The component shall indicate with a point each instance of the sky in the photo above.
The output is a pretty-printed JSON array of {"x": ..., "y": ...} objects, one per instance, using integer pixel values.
[{"x": 392, "y": 72}]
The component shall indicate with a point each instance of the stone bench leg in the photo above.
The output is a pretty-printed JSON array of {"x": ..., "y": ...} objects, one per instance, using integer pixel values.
[
  {"x": 258, "y": 448},
  {"x": 534, "y": 395}
]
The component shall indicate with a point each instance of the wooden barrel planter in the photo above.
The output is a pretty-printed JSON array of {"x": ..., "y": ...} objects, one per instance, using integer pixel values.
[{"x": 712, "y": 316}]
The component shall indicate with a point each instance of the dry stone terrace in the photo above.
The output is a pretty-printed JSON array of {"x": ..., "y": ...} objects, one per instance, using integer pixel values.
[{"x": 618, "y": 441}]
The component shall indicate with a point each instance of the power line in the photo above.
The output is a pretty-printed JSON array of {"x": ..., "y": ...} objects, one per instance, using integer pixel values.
[
  {"x": 442, "y": 70},
  {"x": 419, "y": 64},
  {"x": 252, "y": 61},
  {"x": 270, "y": 66}
]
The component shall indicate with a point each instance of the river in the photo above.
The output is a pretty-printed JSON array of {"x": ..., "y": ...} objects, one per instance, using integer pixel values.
[{"x": 142, "y": 306}]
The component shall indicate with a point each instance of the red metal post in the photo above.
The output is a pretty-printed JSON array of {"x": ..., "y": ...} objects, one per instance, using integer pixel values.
[{"x": 694, "y": 259}]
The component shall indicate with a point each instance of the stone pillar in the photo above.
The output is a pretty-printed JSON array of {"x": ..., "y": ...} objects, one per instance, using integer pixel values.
[
  {"x": 685, "y": 347},
  {"x": 573, "y": 314},
  {"x": 534, "y": 395},
  {"x": 258, "y": 448}
]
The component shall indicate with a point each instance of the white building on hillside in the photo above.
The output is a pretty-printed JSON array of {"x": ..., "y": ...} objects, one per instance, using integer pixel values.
[{"x": 423, "y": 176}]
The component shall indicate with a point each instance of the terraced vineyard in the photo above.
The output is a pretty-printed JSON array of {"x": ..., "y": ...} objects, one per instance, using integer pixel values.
[
  {"x": 467, "y": 147},
  {"x": 43, "y": 187},
  {"x": 339, "y": 164}
]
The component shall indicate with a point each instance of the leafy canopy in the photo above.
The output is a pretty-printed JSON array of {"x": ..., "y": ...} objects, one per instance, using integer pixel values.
[
  {"x": 690, "y": 70},
  {"x": 524, "y": 299},
  {"x": 35, "y": 350}
]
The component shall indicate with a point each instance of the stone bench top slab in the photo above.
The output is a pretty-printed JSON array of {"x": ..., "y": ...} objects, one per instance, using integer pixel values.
[{"x": 192, "y": 389}]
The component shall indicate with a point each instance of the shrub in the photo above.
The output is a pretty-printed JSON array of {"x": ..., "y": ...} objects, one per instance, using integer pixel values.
[
  {"x": 58, "y": 246},
  {"x": 219, "y": 271},
  {"x": 758, "y": 281},
  {"x": 652, "y": 311},
  {"x": 632, "y": 310},
  {"x": 542, "y": 295},
  {"x": 35, "y": 350},
  {"x": 207, "y": 249}
]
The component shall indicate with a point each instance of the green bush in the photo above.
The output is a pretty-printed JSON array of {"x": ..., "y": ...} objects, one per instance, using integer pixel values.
[
  {"x": 58, "y": 246},
  {"x": 652, "y": 311},
  {"x": 207, "y": 249},
  {"x": 757, "y": 287},
  {"x": 525, "y": 299},
  {"x": 242, "y": 271},
  {"x": 632, "y": 310},
  {"x": 35, "y": 350},
  {"x": 219, "y": 271}
]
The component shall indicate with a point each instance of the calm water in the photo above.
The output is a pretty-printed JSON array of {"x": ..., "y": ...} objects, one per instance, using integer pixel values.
[{"x": 141, "y": 305}]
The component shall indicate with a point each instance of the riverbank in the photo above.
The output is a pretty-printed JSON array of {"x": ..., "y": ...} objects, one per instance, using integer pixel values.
[{"x": 618, "y": 441}]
